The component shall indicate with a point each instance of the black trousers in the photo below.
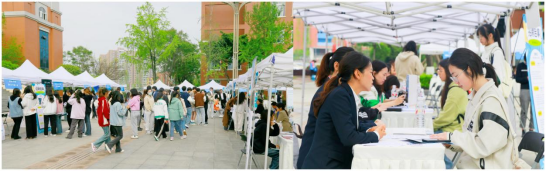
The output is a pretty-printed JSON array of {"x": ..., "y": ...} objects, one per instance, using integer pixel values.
[
  {"x": 31, "y": 126},
  {"x": 157, "y": 126},
  {"x": 206, "y": 117},
  {"x": 50, "y": 119},
  {"x": 117, "y": 139},
  {"x": 16, "y": 126},
  {"x": 68, "y": 118}
]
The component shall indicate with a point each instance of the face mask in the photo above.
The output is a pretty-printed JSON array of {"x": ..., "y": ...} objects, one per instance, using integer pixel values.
[{"x": 150, "y": 93}]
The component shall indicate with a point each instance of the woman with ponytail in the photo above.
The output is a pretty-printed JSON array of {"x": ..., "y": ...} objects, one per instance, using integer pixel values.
[
  {"x": 328, "y": 68},
  {"x": 336, "y": 111},
  {"x": 486, "y": 140}
]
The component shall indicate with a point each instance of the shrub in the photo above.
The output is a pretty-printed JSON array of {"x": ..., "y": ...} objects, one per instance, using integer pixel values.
[{"x": 424, "y": 80}]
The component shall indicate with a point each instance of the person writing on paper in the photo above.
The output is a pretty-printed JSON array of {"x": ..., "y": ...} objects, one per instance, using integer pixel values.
[
  {"x": 374, "y": 98},
  {"x": 337, "y": 120},
  {"x": 453, "y": 103},
  {"x": 486, "y": 139},
  {"x": 328, "y": 68}
]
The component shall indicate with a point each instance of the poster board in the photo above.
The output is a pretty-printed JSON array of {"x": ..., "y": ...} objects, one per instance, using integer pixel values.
[
  {"x": 40, "y": 90},
  {"x": 12, "y": 84},
  {"x": 533, "y": 36}
]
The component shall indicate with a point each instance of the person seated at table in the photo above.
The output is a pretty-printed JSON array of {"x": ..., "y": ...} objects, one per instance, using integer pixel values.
[
  {"x": 486, "y": 140},
  {"x": 281, "y": 116},
  {"x": 336, "y": 130},
  {"x": 389, "y": 83},
  {"x": 260, "y": 138},
  {"x": 453, "y": 103},
  {"x": 374, "y": 98}
]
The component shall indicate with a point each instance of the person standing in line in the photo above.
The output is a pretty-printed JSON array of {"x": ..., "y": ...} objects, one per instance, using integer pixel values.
[
  {"x": 176, "y": 115},
  {"x": 148, "y": 113},
  {"x": 141, "y": 112},
  {"x": 117, "y": 121},
  {"x": 185, "y": 96},
  {"x": 227, "y": 118},
  {"x": 68, "y": 107},
  {"x": 211, "y": 101},
  {"x": 30, "y": 105},
  {"x": 206, "y": 106},
  {"x": 240, "y": 108},
  {"x": 103, "y": 114},
  {"x": 200, "y": 103},
  {"x": 408, "y": 63},
  {"x": 522, "y": 78},
  {"x": 160, "y": 113},
  {"x": 15, "y": 112},
  {"x": 78, "y": 113},
  {"x": 134, "y": 106},
  {"x": 260, "y": 106},
  {"x": 59, "y": 113},
  {"x": 88, "y": 98},
  {"x": 50, "y": 110},
  {"x": 194, "y": 109}
]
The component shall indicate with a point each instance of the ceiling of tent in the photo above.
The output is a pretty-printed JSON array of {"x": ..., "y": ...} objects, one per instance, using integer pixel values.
[{"x": 399, "y": 22}]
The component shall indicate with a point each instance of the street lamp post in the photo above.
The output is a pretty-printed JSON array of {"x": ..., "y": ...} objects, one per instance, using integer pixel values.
[{"x": 236, "y": 6}]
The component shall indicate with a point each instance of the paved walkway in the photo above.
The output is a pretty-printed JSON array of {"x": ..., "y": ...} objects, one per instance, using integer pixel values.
[{"x": 207, "y": 147}]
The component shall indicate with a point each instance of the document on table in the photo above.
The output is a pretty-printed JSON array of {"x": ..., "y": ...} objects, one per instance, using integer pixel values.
[{"x": 404, "y": 137}]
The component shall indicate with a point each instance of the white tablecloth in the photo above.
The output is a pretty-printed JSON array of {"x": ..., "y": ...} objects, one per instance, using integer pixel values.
[
  {"x": 393, "y": 153},
  {"x": 406, "y": 119},
  {"x": 285, "y": 150}
]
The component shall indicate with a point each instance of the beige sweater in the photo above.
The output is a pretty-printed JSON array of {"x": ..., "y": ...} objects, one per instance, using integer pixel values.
[
  {"x": 407, "y": 63},
  {"x": 148, "y": 103},
  {"x": 486, "y": 134}
]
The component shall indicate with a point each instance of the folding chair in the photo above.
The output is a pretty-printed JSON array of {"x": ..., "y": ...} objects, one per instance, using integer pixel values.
[
  {"x": 455, "y": 159},
  {"x": 244, "y": 151},
  {"x": 533, "y": 141}
]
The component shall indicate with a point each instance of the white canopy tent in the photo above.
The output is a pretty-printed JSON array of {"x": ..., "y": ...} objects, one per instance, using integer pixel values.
[
  {"x": 282, "y": 68},
  {"x": 62, "y": 75},
  {"x": 86, "y": 79},
  {"x": 7, "y": 73},
  {"x": 104, "y": 80},
  {"x": 185, "y": 83},
  {"x": 160, "y": 84},
  {"x": 28, "y": 73},
  {"x": 212, "y": 83}
]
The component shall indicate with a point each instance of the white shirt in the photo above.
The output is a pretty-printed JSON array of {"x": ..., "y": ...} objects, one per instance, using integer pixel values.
[{"x": 358, "y": 102}]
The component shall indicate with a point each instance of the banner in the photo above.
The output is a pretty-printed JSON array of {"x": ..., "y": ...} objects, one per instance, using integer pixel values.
[
  {"x": 47, "y": 83},
  {"x": 12, "y": 83},
  {"x": 533, "y": 36},
  {"x": 40, "y": 90},
  {"x": 96, "y": 89},
  {"x": 58, "y": 86},
  {"x": 109, "y": 88}
]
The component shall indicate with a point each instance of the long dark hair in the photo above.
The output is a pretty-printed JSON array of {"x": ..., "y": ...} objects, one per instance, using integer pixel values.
[
  {"x": 173, "y": 96},
  {"x": 282, "y": 107},
  {"x": 241, "y": 98},
  {"x": 116, "y": 97},
  {"x": 464, "y": 59},
  {"x": 16, "y": 92},
  {"x": 327, "y": 64},
  {"x": 351, "y": 61},
  {"x": 487, "y": 29},
  {"x": 28, "y": 89},
  {"x": 159, "y": 95},
  {"x": 50, "y": 96},
  {"x": 411, "y": 46},
  {"x": 447, "y": 82},
  {"x": 59, "y": 99},
  {"x": 102, "y": 92},
  {"x": 134, "y": 92},
  {"x": 78, "y": 95},
  {"x": 377, "y": 66}
]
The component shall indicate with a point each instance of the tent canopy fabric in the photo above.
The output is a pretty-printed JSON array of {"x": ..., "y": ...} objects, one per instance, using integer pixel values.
[
  {"x": 160, "y": 84},
  {"x": 104, "y": 80},
  {"x": 399, "y": 22},
  {"x": 282, "y": 70},
  {"x": 62, "y": 75},
  {"x": 86, "y": 79},
  {"x": 27, "y": 72},
  {"x": 212, "y": 83},
  {"x": 185, "y": 83}
]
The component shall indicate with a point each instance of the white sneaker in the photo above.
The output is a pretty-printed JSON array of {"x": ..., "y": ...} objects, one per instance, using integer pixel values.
[
  {"x": 93, "y": 147},
  {"x": 67, "y": 131},
  {"x": 46, "y": 136},
  {"x": 172, "y": 138},
  {"x": 148, "y": 132},
  {"x": 85, "y": 135},
  {"x": 183, "y": 137},
  {"x": 54, "y": 135},
  {"x": 134, "y": 137},
  {"x": 107, "y": 149}
]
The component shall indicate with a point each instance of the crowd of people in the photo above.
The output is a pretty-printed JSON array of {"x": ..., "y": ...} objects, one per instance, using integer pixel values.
[{"x": 352, "y": 87}]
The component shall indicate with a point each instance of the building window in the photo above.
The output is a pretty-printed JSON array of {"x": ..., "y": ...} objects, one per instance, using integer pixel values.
[
  {"x": 281, "y": 8},
  {"x": 42, "y": 13}
]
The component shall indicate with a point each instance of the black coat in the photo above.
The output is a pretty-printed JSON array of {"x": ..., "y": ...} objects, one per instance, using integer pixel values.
[
  {"x": 260, "y": 136},
  {"x": 68, "y": 107},
  {"x": 259, "y": 109},
  {"x": 222, "y": 99},
  {"x": 336, "y": 132}
]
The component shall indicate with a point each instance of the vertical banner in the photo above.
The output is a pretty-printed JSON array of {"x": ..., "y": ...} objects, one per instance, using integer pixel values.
[
  {"x": 290, "y": 97},
  {"x": 58, "y": 86},
  {"x": 47, "y": 83},
  {"x": 109, "y": 88},
  {"x": 96, "y": 88},
  {"x": 40, "y": 90},
  {"x": 533, "y": 35}
]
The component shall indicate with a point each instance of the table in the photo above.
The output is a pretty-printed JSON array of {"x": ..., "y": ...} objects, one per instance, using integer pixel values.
[
  {"x": 406, "y": 119},
  {"x": 286, "y": 146},
  {"x": 394, "y": 153}
]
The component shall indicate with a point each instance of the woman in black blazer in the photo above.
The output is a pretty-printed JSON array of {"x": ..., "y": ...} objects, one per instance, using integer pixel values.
[{"x": 337, "y": 125}]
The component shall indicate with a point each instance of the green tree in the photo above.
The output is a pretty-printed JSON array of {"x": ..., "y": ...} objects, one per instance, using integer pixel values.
[
  {"x": 11, "y": 50},
  {"x": 268, "y": 34},
  {"x": 74, "y": 70},
  {"x": 82, "y": 58},
  {"x": 9, "y": 65},
  {"x": 148, "y": 37},
  {"x": 180, "y": 59},
  {"x": 219, "y": 53}
]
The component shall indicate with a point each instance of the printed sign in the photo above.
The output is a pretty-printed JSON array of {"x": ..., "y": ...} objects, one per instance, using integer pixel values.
[
  {"x": 57, "y": 85},
  {"x": 12, "y": 83}
]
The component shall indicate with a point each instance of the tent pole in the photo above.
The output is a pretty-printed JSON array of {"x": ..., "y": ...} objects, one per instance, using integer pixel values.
[
  {"x": 303, "y": 69},
  {"x": 268, "y": 119}
]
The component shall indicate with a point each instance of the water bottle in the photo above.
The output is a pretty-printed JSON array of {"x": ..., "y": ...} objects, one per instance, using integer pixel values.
[
  {"x": 420, "y": 109},
  {"x": 394, "y": 93}
]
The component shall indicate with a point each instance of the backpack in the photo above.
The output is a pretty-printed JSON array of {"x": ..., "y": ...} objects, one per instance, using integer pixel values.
[{"x": 506, "y": 86}]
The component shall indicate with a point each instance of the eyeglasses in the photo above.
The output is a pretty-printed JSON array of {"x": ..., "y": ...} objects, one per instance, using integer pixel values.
[{"x": 455, "y": 78}]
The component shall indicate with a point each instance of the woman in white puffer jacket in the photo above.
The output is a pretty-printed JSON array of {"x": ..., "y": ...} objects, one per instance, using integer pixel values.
[
  {"x": 30, "y": 105},
  {"x": 50, "y": 110}
]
